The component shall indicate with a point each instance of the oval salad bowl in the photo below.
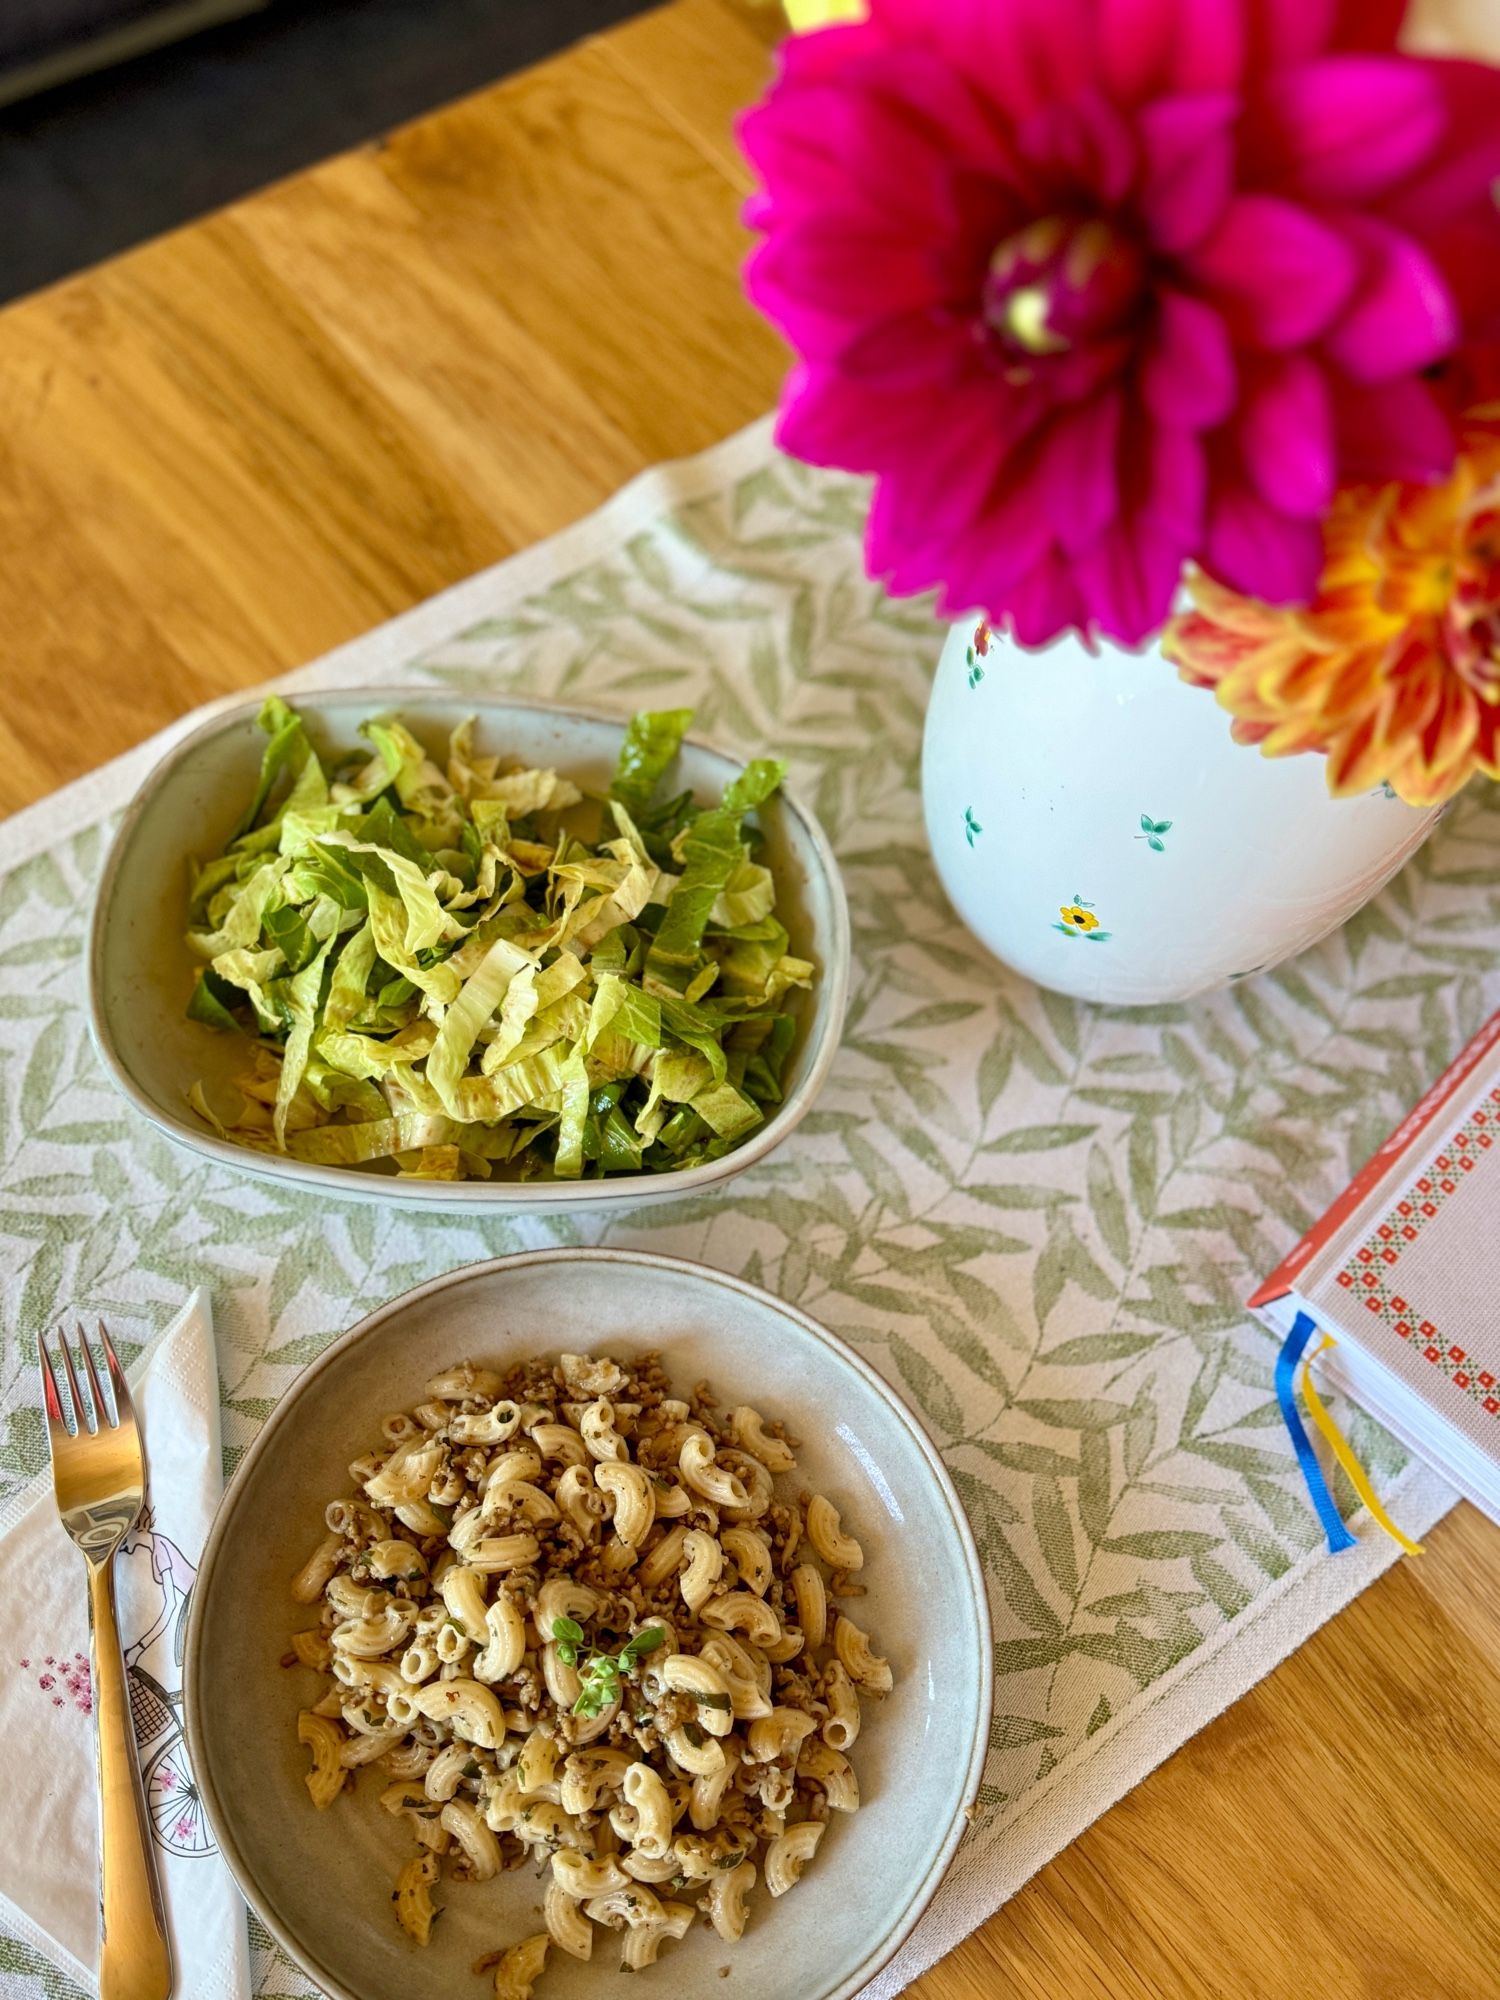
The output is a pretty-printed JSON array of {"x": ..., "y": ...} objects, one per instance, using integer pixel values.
[
  {"x": 322, "y": 1880},
  {"x": 142, "y": 971}
]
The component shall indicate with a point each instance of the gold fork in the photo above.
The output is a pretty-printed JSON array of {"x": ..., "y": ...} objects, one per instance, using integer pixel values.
[{"x": 99, "y": 1475}]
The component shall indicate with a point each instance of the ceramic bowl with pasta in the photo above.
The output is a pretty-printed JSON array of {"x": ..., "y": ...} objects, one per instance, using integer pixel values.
[
  {"x": 589, "y": 1654},
  {"x": 565, "y": 1620}
]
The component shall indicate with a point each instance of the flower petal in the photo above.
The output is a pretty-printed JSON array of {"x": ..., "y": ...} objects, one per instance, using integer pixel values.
[
  {"x": 1076, "y": 485},
  {"x": 1204, "y": 651},
  {"x": 1166, "y": 478},
  {"x": 1150, "y": 46},
  {"x": 904, "y": 566},
  {"x": 1188, "y": 175},
  {"x": 1356, "y": 761},
  {"x": 1028, "y": 53},
  {"x": 983, "y": 566},
  {"x": 1287, "y": 32},
  {"x": 852, "y": 275},
  {"x": 1281, "y": 276},
  {"x": 851, "y": 149},
  {"x": 1045, "y": 602},
  {"x": 812, "y": 58},
  {"x": 1467, "y": 252},
  {"x": 1080, "y": 144},
  {"x": 1286, "y": 435},
  {"x": 931, "y": 497},
  {"x": 1130, "y": 573},
  {"x": 1344, "y": 128},
  {"x": 1402, "y": 318},
  {"x": 1188, "y": 376},
  {"x": 828, "y": 420},
  {"x": 1129, "y": 578},
  {"x": 1367, "y": 24},
  {"x": 1459, "y": 175},
  {"x": 920, "y": 352},
  {"x": 815, "y": 334},
  {"x": 1256, "y": 550},
  {"x": 1391, "y": 430},
  {"x": 975, "y": 563},
  {"x": 1283, "y": 32}
]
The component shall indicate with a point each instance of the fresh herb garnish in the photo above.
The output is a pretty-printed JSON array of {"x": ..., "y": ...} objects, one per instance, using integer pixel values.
[
  {"x": 568, "y": 1636},
  {"x": 600, "y": 1673}
]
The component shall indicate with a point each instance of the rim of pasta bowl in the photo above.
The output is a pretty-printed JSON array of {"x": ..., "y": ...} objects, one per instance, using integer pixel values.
[{"x": 913, "y": 1905}]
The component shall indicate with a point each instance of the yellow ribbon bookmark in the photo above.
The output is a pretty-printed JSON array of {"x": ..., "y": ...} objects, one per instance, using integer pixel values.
[{"x": 1339, "y": 1446}]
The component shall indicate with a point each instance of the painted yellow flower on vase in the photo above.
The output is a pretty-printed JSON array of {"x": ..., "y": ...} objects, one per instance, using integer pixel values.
[
  {"x": 1079, "y": 920},
  {"x": 1393, "y": 669}
]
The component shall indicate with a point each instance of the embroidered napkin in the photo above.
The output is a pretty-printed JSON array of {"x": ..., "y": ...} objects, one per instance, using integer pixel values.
[{"x": 49, "y": 1879}]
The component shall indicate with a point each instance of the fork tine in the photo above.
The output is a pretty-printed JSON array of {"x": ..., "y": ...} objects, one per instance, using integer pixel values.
[
  {"x": 46, "y": 1366},
  {"x": 79, "y": 1417},
  {"x": 103, "y": 1414},
  {"x": 124, "y": 1408}
]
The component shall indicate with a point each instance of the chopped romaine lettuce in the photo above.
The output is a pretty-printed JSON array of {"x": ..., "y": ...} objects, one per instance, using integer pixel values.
[
  {"x": 652, "y": 740},
  {"x": 458, "y": 969}
]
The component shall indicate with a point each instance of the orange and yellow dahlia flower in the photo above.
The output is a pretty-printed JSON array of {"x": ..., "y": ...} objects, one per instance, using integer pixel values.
[{"x": 1393, "y": 668}]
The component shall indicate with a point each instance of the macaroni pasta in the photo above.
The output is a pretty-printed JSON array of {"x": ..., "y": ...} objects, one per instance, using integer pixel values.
[{"x": 572, "y": 1623}]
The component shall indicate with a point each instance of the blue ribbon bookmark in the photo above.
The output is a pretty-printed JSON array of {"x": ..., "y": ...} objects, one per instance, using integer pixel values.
[{"x": 1291, "y": 1353}]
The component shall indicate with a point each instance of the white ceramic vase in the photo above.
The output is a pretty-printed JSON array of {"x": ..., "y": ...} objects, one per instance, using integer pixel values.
[{"x": 1097, "y": 828}]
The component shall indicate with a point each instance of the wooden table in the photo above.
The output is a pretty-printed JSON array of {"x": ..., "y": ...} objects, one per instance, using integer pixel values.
[{"x": 228, "y": 451}]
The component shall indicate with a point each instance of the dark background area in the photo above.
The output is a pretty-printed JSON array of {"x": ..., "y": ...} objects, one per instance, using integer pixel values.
[{"x": 93, "y": 166}]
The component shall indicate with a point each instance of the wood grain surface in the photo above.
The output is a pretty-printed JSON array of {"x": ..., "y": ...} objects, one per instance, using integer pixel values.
[{"x": 236, "y": 447}]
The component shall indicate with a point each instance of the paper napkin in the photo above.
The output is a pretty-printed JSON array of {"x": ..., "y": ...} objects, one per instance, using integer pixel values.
[{"x": 49, "y": 1865}]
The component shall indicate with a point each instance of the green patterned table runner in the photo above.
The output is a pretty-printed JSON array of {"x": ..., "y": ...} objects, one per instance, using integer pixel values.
[{"x": 1035, "y": 1217}]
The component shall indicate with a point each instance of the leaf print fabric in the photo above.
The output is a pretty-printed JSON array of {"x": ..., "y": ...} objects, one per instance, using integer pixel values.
[{"x": 1036, "y": 1218}]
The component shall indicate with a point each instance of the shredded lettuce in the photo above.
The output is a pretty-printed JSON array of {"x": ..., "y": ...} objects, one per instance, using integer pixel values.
[
  {"x": 483, "y": 994},
  {"x": 450, "y": 968},
  {"x": 301, "y": 1005},
  {"x": 213, "y": 1000},
  {"x": 712, "y": 853},
  {"x": 726, "y": 1111},
  {"x": 652, "y": 740},
  {"x": 747, "y": 897},
  {"x": 288, "y": 746}
]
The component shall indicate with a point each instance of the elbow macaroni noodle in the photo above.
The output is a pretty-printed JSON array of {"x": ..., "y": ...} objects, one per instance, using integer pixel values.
[{"x": 571, "y": 1621}]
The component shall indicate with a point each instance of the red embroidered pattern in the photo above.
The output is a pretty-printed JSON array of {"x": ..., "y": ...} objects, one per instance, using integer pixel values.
[{"x": 1370, "y": 1272}]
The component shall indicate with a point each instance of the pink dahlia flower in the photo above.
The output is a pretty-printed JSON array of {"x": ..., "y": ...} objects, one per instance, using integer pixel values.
[{"x": 1095, "y": 287}]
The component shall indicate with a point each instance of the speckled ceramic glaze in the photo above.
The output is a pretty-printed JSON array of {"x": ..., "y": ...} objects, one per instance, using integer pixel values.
[
  {"x": 1096, "y": 826},
  {"x": 322, "y": 1881}
]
